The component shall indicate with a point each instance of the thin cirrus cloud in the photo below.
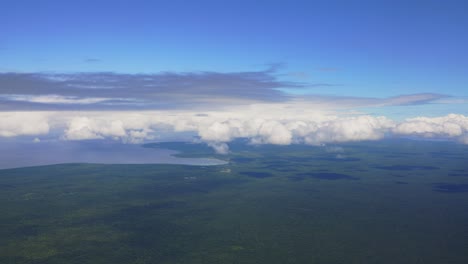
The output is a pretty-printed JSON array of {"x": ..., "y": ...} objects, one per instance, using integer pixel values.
[
  {"x": 91, "y": 60},
  {"x": 54, "y": 99},
  {"x": 337, "y": 102}
]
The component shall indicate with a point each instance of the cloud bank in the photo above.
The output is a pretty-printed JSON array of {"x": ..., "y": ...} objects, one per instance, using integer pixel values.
[
  {"x": 214, "y": 107},
  {"x": 23, "y": 124},
  {"x": 218, "y": 129},
  {"x": 200, "y": 90},
  {"x": 104, "y": 91},
  {"x": 449, "y": 126}
]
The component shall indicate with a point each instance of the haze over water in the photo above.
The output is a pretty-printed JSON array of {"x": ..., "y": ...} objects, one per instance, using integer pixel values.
[{"x": 26, "y": 154}]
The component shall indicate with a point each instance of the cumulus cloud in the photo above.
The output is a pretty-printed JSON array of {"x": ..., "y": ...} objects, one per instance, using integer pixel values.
[
  {"x": 353, "y": 129},
  {"x": 14, "y": 124},
  {"x": 450, "y": 126},
  {"x": 127, "y": 128},
  {"x": 215, "y": 107},
  {"x": 217, "y": 129},
  {"x": 273, "y": 132},
  {"x": 219, "y": 147}
]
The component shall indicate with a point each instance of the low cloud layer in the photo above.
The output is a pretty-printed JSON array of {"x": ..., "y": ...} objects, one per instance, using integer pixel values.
[
  {"x": 449, "y": 126},
  {"x": 213, "y": 107},
  {"x": 23, "y": 124},
  {"x": 218, "y": 129}
]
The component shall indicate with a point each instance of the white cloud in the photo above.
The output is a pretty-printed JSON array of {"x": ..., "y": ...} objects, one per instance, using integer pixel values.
[
  {"x": 216, "y": 107},
  {"x": 218, "y": 132},
  {"x": 55, "y": 99},
  {"x": 221, "y": 127},
  {"x": 352, "y": 129},
  {"x": 132, "y": 128},
  {"x": 82, "y": 128},
  {"x": 279, "y": 124},
  {"x": 450, "y": 126},
  {"x": 14, "y": 124},
  {"x": 271, "y": 132},
  {"x": 219, "y": 147}
]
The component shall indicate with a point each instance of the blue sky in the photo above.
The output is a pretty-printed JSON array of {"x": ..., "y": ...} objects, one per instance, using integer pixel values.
[
  {"x": 276, "y": 72},
  {"x": 363, "y": 48}
]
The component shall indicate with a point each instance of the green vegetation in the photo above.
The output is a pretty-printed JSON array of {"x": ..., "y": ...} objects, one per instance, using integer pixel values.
[{"x": 378, "y": 202}]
